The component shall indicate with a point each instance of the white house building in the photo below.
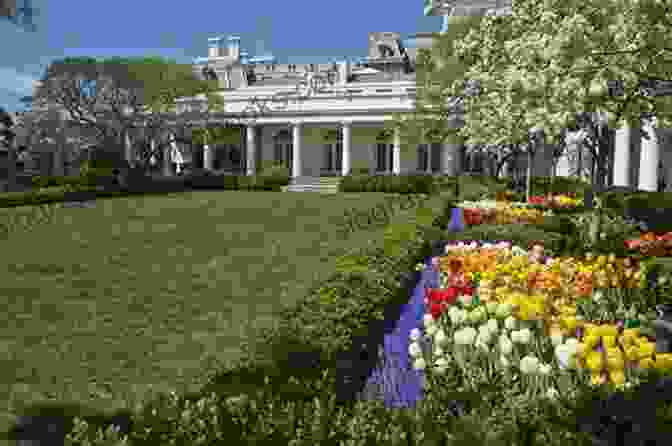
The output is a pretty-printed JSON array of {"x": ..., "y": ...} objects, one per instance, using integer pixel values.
[{"x": 320, "y": 119}]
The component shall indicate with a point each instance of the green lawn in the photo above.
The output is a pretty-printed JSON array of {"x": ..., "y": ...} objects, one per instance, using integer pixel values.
[{"x": 139, "y": 294}]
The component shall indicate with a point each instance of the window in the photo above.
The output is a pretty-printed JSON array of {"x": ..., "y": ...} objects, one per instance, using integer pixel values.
[{"x": 423, "y": 157}]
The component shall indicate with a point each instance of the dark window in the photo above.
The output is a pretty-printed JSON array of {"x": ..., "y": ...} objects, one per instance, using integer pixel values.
[{"x": 423, "y": 157}]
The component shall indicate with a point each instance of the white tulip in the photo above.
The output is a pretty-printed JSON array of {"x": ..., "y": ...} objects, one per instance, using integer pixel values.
[
  {"x": 419, "y": 364},
  {"x": 484, "y": 337},
  {"x": 453, "y": 312},
  {"x": 564, "y": 356},
  {"x": 415, "y": 334},
  {"x": 510, "y": 323},
  {"x": 494, "y": 326},
  {"x": 441, "y": 365},
  {"x": 572, "y": 344},
  {"x": 428, "y": 320},
  {"x": 505, "y": 345},
  {"x": 480, "y": 344},
  {"x": 465, "y": 336},
  {"x": 441, "y": 339},
  {"x": 556, "y": 339},
  {"x": 529, "y": 365},
  {"x": 544, "y": 369},
  {"x": 598, "y": 295},
  {"x": 524, "y": 336},
  {"x": 414, "y": 350},
  {"x": 432, "y": 329}
]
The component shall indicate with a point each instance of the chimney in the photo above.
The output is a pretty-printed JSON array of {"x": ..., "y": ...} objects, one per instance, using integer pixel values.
[
  {"x": 343, "y": 72},
  {"x": 234, "y": 47},
  {"x": 213, "y": 46}
]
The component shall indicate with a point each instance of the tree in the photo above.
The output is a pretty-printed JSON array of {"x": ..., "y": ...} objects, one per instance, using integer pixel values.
[
  {"x": 7, "y": 140},
  {"x": 20, "y": 16},
  {"x": 549, "y": 65},
  {"x": 105, "y": 99}
]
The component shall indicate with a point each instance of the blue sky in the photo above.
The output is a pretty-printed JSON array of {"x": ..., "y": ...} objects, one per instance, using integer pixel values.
[{"x": 295, "y": 31}]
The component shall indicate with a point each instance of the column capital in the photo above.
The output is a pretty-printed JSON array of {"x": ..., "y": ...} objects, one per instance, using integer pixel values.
[
  {"x": 346, "y": 122},
  {"x": 296, "y": 122}
]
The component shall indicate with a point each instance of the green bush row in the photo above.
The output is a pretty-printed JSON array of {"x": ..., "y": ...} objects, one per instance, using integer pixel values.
[
  {"x": 100, "y": 183},
  {"x": 401, "y": 184}
]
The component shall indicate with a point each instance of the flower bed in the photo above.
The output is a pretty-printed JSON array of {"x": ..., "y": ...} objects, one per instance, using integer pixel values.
[
  {"x": 499, "y": 212},
  {"x": 652, "y": 244},
  {"x": 522, "y": 315}
]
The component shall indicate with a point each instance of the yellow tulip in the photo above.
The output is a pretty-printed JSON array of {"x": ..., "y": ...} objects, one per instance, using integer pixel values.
[
  {"x": 608, "y": 341},
  {"x": 632, "y": 353},
  {"x": 646, "y": 350},
  {"x": 646, "y": 363},
  {"x": 596, "y": 379},
  {"x": 595, "y": 361},
  {"x": 591, "y": 341},
  {"x": 630, "y": 332},
  {"x": 609, "y": 330},
  {"x": 664, "y": 360},
  {"x": 615, "y": 360},
  {"x": 617, "y": 377}
]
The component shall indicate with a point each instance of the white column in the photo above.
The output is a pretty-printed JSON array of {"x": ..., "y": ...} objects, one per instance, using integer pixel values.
[
  {"x": 650, "y": 155},
  {"x": 396, "y": 152},
  {"x": 622, "y": 157},
  {"x": 563, "y": 166},
  {"x": 128, "y": 148},
  {"x": 347, "y": 147},
  {"x": 430, "y": 152},
  {"x": 251, "y": 150},
  {"x": 504, "y": 171},
  {"x": 449, "y": 158},
  {"x": 296, "y": 149},
  {"x": 167, "y": 160},
  {"x": 208, "y": 157}
]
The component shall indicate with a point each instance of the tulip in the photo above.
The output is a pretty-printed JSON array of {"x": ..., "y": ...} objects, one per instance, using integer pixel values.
[
  {"x": 529, "y": 365},
  {"x": 441, "y": 365},
  {"x": 414, "y": 350},
  {"x": 617, "y": 377},
  {"x": 441, "y": 338},
  {"x": 544, "y": 369},
  {"x": 415, "y": 334},
  {"x": 493, "y": 325},
  {"x": 419, "y": 364},
  {"x": 556, "y": 339},
  {"x": 510, "y": 323},
  {"x": 523, "y": 336},
  {"x": 428, "y": 320},
  {"x": 505, "y": 345},
  {"x": 504, "y": 361},
  {"x": 465, "y": 336},
  {"x": 431, "y": 330},
  {"x": 594, "y": 361},
  {"x": 597, "y": 379}
]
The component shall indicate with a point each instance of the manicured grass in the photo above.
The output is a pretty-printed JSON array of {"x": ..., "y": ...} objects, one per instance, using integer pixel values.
[{"x": 104, "y": 305}]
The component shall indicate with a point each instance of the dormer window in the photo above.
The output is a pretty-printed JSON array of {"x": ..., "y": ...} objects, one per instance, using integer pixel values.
[{"x": 385, "y": 51}]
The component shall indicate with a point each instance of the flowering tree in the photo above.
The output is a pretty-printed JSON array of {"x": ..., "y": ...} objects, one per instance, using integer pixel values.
[
  {"x": 551, "y": 62},
  {"x": 107, "y": 98}
]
